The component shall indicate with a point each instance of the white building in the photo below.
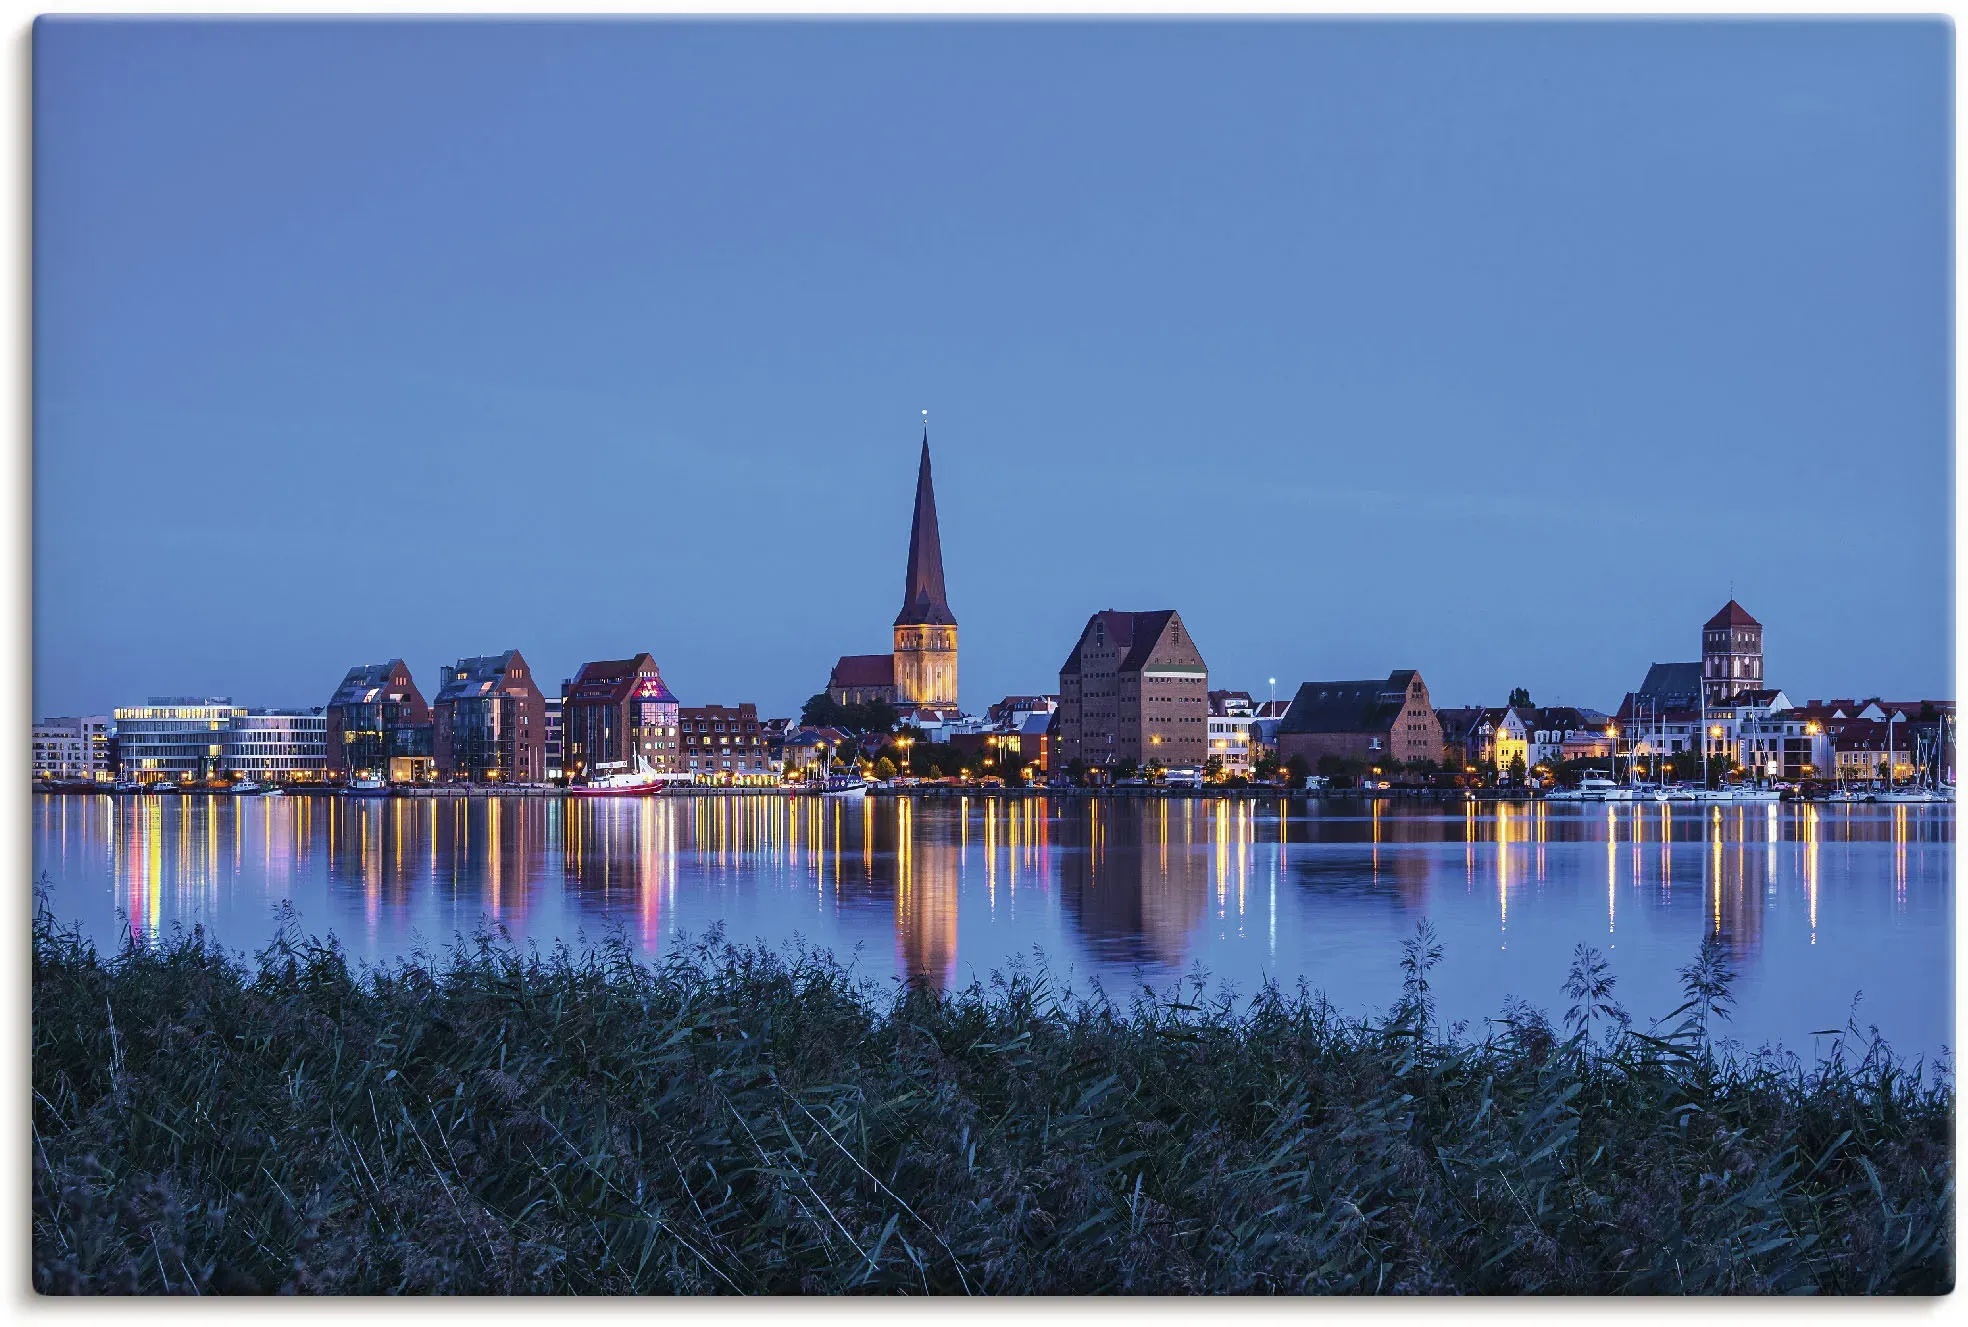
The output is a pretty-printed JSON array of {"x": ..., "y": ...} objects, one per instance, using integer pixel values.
[
  {"x": 556, "y": 735},
  {"x": 174, "y": 738},
  {"x": 277, "y": 746},
  {"x": 1230, "y": 742},
  {"x": 73, "y": 750}
]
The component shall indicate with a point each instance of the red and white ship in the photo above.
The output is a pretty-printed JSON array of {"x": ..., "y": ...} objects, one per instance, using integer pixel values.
[{"x": 638, "y": 782}]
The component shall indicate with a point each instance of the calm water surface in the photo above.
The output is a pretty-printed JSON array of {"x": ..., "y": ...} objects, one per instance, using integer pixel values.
[{"x": 1817, "y": 904}]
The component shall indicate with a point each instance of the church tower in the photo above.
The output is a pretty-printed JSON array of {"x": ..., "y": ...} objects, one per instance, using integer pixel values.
[
  {"x": 1732, "y": 654},
  {"x": 925, "y": 629}
]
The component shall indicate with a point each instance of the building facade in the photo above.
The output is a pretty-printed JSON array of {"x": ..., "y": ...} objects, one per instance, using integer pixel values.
[
  {"x": 489, "y": 723},
  {"x": 174, "y": 739},
  {"x": 1135, "y": 688},
  {"x": 278, "y": 746},
  {"x": 1373, "y": 720},
  {"x": 74, "y": 750},
  {"x": 556, "y": 732},
  {"x": 725, "y": 745},
  {"x": 614, "y": 713},
  {"x": 1231, "y": 714},
  {"x": 377, "y": 723}
]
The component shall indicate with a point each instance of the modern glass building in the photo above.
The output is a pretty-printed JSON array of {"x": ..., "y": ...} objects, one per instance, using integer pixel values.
[
  {"x": 489, "y": 722},
  {"x": 377, "y": 723},
  {"x": 177, "y": 739},
  {"x": 278, "y": 746}
]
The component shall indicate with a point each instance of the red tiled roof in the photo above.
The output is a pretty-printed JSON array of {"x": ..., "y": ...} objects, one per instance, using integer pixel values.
[
  {"x": 1732, "y": 615},
  {"x": 863, "y": 670}
]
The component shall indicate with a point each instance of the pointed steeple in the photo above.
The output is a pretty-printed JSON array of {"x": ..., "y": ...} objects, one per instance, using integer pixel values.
[{"x": 922, "y": 589}]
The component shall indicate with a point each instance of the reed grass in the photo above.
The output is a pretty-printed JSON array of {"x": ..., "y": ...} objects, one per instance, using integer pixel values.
[{"x": 733, "y": 1120}]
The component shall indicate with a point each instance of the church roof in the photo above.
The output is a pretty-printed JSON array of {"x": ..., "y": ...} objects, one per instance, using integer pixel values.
[
  {"x": 863, "y": 670},
  {"x": 1667, "y": 682},
  {"x": 1733, "y": 614},
  {"x": 923, "y": 600}
]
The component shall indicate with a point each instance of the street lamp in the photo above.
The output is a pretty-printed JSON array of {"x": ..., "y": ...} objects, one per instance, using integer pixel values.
[{"x": 905, "y": 743}]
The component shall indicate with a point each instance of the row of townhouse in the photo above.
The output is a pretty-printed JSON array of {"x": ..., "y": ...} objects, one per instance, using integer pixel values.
[{"x": 493, "y": 723}]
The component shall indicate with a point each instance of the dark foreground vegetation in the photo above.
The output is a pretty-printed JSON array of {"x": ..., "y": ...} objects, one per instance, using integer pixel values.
[{"x": 736, "y": 1121}]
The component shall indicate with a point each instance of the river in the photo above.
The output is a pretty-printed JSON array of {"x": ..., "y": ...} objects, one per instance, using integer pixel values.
[{"x": 1817, "y": 905}]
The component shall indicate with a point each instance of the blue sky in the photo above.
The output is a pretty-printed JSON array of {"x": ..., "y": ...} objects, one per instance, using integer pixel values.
[{"x": 1503, "y": 351}]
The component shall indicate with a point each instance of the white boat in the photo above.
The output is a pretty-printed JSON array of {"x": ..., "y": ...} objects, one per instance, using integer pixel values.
[
  {"x": 1718, "y": 796},
  {"x": 1918, "y": 796},
  {"x": 843, "y": 785},
  {"x": 1598, "y": 788},
  {"x": 246, "y": 788},
  {"x": 367, "y": 785},
  {"x": 275, "y": 791},
  {"x": 640, "y": 781}
]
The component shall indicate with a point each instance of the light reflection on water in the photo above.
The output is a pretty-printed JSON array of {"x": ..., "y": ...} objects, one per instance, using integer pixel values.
[{"x": 1815, "y": 903}]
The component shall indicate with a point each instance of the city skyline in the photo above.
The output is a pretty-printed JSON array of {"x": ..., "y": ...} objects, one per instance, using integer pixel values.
[{"x": 1505, "y": 352}]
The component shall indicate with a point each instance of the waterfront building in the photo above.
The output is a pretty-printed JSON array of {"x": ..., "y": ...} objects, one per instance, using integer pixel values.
[
  {"x": 174, "y": 739},
  {"x": 74, "y": 749},
  {"x": 1506, "y": 731},
  {"x": 377, "y": 723},
  {"x": 1565, "y": 732},
  {"x": 1465, "y": 744},
  {"x": 1732, "y": 653},
  {"x": 1864, "y": 750},
  {"x": 489, "y": 724},
  {"x": 1034, "y": 738},
  {"x": 614, "y": 711},
  {"x": 556, "y": 734},
  {"x": 1231, "y": 714},
  {"x": 920, "y": 677},
  {"x": 1785, "y": 743},
  {"x": 278, "y": 746},
  {"x": 725, "y": 745},
  {"x": 804, "y": 751},
  {"x": 1372, "y": 720},
  {"x": 1135, "y": 688}
]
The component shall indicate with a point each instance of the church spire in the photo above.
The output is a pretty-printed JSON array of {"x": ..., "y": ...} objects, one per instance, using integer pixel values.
[{"x": 923, "y": 600}]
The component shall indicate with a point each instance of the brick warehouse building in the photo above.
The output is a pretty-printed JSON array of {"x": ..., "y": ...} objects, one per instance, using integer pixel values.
[
  {"x": 490, "y": 722},
  {"x": 1368, "y": 720},
  {"x": 1134, "y": 688},
  {"x": 613, "y": 711},
  {"x": 379, "y": 723}
]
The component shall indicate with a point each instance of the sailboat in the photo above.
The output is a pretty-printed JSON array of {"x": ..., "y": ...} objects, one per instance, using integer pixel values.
[{"x": 1920, "y": 791}]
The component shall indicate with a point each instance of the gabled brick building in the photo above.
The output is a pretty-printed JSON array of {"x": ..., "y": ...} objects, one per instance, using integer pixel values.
[
  {"x": 1368, "y": 720},
  {"x": 613, "y": 712},
  {"x": 1134, "y": 688}
]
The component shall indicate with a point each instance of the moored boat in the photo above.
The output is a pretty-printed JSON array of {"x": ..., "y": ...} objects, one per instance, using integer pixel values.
[{"x": 642, "y": 781}]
